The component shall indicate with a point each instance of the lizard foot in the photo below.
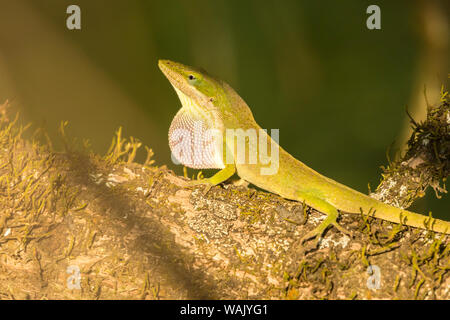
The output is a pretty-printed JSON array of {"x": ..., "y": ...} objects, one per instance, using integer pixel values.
[
  {"x": 330, "y": 220},
  {"x": 219, "y": 177},
  {"x": 206, "y": 182},
  {"x": 318, "y": 231}
]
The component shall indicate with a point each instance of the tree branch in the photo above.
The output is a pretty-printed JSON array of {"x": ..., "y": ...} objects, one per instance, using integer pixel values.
[{"x": 137, "y": 231}]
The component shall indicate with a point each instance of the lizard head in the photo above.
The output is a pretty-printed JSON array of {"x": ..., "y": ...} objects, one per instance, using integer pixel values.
[
  {"x": 196, "y": 128},
  {"x": 209, "y": 108},
  {"x": 203, "y": 94},
  {"x": 192, "y": 85}
]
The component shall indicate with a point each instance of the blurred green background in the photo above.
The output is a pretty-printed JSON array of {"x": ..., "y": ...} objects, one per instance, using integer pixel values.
[{"x": 336, "y": 90}]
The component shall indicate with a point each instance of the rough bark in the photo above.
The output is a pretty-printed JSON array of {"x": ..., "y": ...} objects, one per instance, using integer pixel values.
[{"x": 136, "y": 231}]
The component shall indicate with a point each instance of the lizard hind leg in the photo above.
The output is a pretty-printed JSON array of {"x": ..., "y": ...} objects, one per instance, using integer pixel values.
[{"x": 331, "y": 219}]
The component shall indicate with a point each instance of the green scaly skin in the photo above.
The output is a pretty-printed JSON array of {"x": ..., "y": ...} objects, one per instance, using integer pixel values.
[{"x": 212, "y": 100}]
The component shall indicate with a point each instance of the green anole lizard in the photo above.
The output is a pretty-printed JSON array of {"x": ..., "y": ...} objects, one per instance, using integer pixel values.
[{"x": 211, "y": 104}]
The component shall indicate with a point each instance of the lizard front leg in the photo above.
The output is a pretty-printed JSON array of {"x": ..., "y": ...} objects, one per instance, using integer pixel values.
[{"x": 217, "y": 178}]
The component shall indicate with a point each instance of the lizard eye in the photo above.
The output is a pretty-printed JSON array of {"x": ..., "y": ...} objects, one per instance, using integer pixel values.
[{"x": 191, "y": 77}]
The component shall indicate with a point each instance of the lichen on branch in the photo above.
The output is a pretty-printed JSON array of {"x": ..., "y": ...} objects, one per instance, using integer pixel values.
[
  {"x": 137, "y": 231},
  {"x": 426, "y": 162}
]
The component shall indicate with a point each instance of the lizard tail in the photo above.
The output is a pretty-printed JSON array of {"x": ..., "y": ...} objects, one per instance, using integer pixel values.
[{"x": 397, "y": 215}]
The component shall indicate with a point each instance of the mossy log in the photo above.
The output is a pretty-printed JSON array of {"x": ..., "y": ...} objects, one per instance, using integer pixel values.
[{"x": 76, "y": 225}]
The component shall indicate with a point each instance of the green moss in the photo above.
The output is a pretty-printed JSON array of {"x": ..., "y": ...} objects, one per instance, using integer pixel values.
[{"x": 425, "y": 163}]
